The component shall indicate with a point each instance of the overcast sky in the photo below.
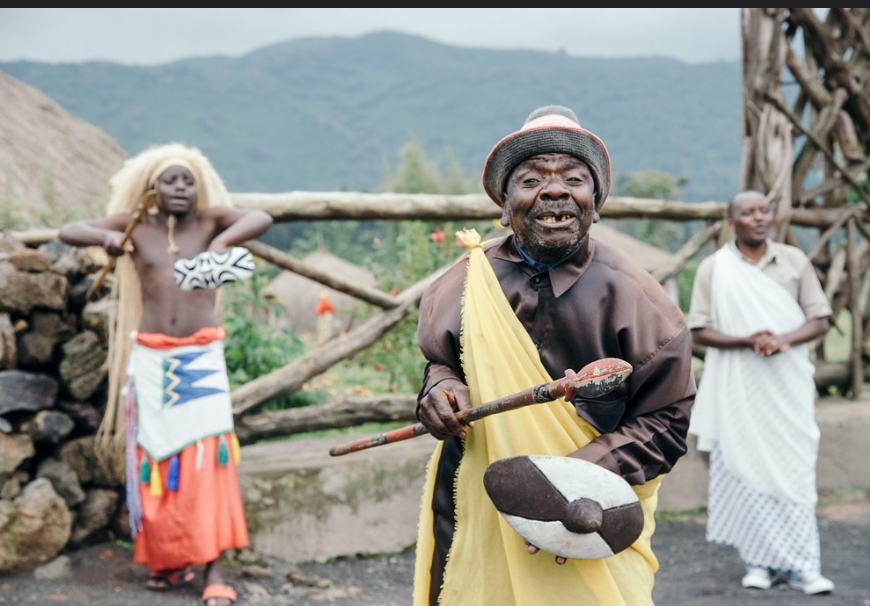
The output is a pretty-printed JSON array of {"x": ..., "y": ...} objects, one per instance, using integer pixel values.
[{"x": 145, "y": 36}]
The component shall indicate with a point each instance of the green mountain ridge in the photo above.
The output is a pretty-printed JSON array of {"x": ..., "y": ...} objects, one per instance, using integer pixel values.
[{"x": 328, "y": 113}]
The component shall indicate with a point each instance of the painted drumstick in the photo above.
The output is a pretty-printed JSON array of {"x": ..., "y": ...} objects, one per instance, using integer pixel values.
[
  {"x": 594, "y": 380},
  {"x": 148, "y": 200}
]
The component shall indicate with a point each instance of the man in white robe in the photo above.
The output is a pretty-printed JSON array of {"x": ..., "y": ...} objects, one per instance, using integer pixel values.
[{"x": 756, "y": 304}]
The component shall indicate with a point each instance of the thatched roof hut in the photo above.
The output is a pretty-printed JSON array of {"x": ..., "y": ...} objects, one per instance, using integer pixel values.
[
  {"x": 54, "y": 166},
  {"x": 300, "y": 295},
  {"x": 648, "y": 256}
]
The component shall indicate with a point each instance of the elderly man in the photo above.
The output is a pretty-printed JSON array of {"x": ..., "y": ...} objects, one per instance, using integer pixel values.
[
  {"x": 755, "y": 304},
  {"x": 518, "y": 312}
]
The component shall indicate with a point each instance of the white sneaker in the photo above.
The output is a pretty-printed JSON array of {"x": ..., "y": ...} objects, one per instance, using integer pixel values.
[
  {"x": 757, "y": 578},
  {"x": 812, "y": 584}
]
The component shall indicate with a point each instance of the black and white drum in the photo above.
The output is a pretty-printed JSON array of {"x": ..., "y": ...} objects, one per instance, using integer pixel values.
[
  {"x": 212, "y": 269},
  {"x": 569, "y": 507}
]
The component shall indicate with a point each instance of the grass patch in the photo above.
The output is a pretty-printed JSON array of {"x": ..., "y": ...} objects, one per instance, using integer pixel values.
[
  {"x": 850, "y": 494},
  {"x": 681, "y": 515}
]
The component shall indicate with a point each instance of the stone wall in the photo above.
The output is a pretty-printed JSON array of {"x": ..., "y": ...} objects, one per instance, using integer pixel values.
[
  {"x": 302, "y": 504},
  {"x": 54, "y": 493}
]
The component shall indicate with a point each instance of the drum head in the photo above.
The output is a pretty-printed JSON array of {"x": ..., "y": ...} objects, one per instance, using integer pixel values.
[{"x": 569, "y": 507}]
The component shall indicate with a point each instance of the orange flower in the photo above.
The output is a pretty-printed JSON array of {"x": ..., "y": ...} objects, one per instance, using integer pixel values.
[{"x": 324, "y": 305}]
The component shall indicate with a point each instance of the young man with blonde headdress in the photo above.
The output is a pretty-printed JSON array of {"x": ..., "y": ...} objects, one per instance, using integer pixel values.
[
  {"x": 182, "y": 489},
  {"x": 519, "y": 311}
]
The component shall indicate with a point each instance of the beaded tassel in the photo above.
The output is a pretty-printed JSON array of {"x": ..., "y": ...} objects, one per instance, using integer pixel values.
[
  {"x": 144, "y": 471},
  {"x": 237, "y": 449},
  {"x": 223, "y": 451},
  {"x": 133, "y": 499},
  {"x": 156, "y": 481},
  {"x": 172, "y": 479}
]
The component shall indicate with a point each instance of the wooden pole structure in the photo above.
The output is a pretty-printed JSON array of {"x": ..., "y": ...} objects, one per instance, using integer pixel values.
[
  {"x": 766, "y": 163},
  {"x": 828, "y": 234},
  {"x": 855, "y": 309}
]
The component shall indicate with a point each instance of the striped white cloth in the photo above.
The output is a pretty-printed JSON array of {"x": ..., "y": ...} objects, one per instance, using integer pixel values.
[{"x": 766, "y": 531}]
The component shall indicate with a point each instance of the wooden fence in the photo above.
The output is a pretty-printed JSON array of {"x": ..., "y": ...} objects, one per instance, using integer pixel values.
[{"x": 841, "y": 255}]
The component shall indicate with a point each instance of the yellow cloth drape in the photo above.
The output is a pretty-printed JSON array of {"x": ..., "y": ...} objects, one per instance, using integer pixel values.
[{"x": 488, "y": 563}]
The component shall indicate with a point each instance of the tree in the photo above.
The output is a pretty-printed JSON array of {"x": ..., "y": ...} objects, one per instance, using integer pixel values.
[
  {"x": 416, "y": 173},
  {"x": 653, "y": 184},
  {"x": 409, "y": 251}
]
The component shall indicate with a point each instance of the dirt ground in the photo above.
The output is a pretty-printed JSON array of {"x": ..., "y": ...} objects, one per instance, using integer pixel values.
[{"x": 693, "y": 573}]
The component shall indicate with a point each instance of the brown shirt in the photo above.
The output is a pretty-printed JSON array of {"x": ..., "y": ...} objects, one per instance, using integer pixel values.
[{"x": 595, "y": 304}]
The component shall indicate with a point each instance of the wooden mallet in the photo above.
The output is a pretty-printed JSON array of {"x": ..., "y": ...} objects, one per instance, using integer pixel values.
[{"x": 593, "y": 381}]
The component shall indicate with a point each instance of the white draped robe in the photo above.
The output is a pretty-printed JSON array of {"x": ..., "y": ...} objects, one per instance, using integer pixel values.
[{"x": 756, "y": 415}]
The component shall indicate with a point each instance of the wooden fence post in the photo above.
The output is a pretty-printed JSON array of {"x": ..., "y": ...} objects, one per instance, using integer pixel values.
[{"x": 855, "y": 310}]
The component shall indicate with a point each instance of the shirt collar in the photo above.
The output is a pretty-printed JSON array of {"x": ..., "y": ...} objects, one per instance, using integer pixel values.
[
  {"x": 563, "y": 274},
  {"x": 766, "y": 259},
  {"x": 536, "y": 265}
]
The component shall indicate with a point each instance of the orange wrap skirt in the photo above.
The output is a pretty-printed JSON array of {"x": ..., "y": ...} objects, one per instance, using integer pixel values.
[{"x": 204, "y": 517}]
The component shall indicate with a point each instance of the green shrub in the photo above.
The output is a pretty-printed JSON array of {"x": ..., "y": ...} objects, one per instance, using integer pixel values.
[{"x": 253, "y": 346}]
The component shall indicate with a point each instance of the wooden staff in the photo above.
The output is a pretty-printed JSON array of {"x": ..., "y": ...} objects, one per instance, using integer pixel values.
[
  {"x": 594, "y": 380},
  {"x": 147, "y": 201}
]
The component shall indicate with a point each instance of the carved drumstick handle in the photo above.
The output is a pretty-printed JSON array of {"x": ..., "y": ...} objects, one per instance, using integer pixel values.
[{"x": 594, "y": 380}]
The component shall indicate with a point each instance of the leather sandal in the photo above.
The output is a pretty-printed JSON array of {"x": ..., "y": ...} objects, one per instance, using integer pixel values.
[
  {"x": 219, "y": 591},
  {"x": 167, "y": 580}
]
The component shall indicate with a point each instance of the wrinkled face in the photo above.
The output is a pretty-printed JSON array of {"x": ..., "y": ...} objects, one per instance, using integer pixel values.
[
  {"x": 750, "y": 218},
  {"x": 176, "y": 190},
  {"x": 550, "y": 205}
]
